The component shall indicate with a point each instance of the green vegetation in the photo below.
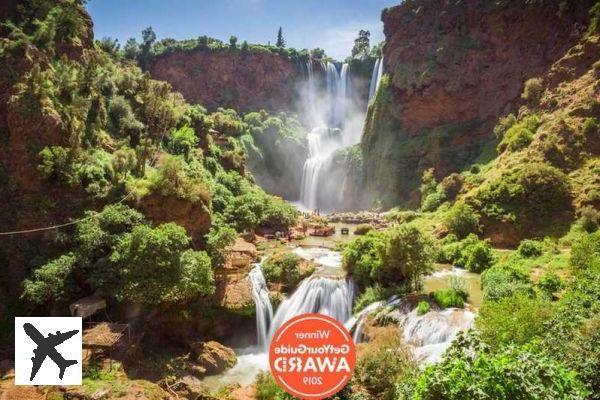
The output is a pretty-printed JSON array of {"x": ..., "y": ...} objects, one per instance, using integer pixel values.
[
  {"x": 423, "y": 308},
  {"x": 371, "y": 294},
  {"x": 398, "y": 257},
  {"x": 284, "y": 267},
  {"x": 471, "y": 253},
  {"x": 470, "y": 368},
  {"x": 448, "y": 298}
]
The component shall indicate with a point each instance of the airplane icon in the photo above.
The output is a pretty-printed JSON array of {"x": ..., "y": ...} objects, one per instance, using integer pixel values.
[{"x": 46, "y": 347}]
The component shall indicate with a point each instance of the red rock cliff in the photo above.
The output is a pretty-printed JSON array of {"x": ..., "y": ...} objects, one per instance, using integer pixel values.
[
  {"x": 453, "y": 68},
  {"x": 233, "y": 79}
]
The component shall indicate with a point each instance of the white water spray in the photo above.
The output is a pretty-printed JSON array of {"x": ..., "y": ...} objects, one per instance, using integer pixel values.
[
  {"x": 332, "y": 297},
  {"x": 264, "y": 310}
]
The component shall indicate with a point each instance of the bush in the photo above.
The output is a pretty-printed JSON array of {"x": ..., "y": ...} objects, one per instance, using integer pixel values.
[
  {"x": 550, "y": 283},
  {"x": 448, "y": 298},
  {"x": 51, "y": 281},
  {"x": 182, "y": 141},
  {"x": 590, "y": 219},
  {"x": 406, "y": 256},
  {"x": 462, "y": 220},
  {"x": 529, "y": 195},
  {"x": 218, "y": 239},
  {"x": 397, "y": 256},
  {"x": 585, "y": 252},
  {"x": 513, "y": 320},
  {"x": 282, "y": 267},
  {"x": 268, "y": 389},
  {"x": 504, "y": 280},
  {"x": 362, "y": 229},
  {"x": 383, "y": 362},
  {"x": 530, "y": 248},
  {"x": 470, "y": 370},
  {"x": 479, "y": 256},
  {"x": 452, "y": 184},
  {"x": 423, "y": 308},
  {"x": 470, "y": 253},
  {"x": 157, "y": 266},
  {"x": 520, "y": 134},
  {"x": 532, "y": 91},
  {"x": 370, "y": 295}
]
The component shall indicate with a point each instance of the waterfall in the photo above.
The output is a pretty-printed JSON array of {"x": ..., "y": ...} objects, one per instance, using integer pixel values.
[
  {"x": 328, "y": 111},
  {"x": 332, "y": 297},
  {"x": 373, "y": 83},
  {"x": 375, "y": 77},
  {"x": 264, "y": 310},
  {"x": 428, "y": 335},
  {"x": 379, "y": 74}
]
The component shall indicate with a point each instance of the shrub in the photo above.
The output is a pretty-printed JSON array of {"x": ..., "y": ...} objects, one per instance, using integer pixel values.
[
  {"x": 218, "y": 239},
  {"x": 448, "y": 298},
  {"x": 432, "y": 201},
  {"x": 505, "y": 280},
  {"x": 423, "y": 308},
  {"x": 360, "y": 257},
  {"x": 470, "y": 253},
  {"x": 532, "y": 91},
  {"x": 370, "y": 295},
  {"x": 589, "y": 219},
  {"x": 268, "y": 389},
  {"x": 50, "y": 282},
  {"x": 517, "y": 319},
  {"x": 382, "y": 362},
  {"x": 470, "y": 370},
  {"x": 585, "y": 252},
  {"x": 452, "y": 184},
  {"x": 462, "y": 220},
  {"x": 406, "y": 255},
  {"x": 282, "y": 267},
  {"x": 520, "y": 134},
  {"x": 182, "y": 141},
  {"x": 530, "y": 248},
  {"x": 529, "y": 195},
  {"x": 550, "y": 283},
  {"x": 362, "y": 229},
  {"x": 156, "y": 266},
  {"x": 479, "y": 256}
]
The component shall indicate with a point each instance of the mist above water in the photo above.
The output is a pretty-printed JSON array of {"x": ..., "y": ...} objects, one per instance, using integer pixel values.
[{"x": 336, "y": 112}]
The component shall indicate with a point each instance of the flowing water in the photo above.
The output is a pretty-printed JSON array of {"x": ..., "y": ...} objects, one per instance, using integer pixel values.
[
  {"x": 264, "y": 310},
  {"x": 332, "y": 113}
]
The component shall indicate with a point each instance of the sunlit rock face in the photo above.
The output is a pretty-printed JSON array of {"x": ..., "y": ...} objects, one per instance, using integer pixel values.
[
  {"x": 231, "y": 79},
  {"x": 452, "y": 69}
]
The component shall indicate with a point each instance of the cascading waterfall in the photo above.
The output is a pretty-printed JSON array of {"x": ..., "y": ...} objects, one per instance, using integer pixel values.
[
  {"x": 264, "y": 310},
  {"x": 429, "y": 335},
  {"x": 332, "y": 297},
  {"x": 329, "y": 116},
  {"x": 374, "y": 76}
]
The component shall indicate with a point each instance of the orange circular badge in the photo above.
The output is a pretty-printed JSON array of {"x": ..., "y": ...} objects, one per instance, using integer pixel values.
[{"x": 312, "y": 356}]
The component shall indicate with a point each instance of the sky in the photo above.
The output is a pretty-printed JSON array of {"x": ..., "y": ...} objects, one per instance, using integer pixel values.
[{"x": 329, "y": 24}]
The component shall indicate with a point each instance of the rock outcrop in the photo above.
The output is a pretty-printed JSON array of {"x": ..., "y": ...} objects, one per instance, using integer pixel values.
[
  {"x": 451, "y": 69},
  {"x": 213, "y": 357},
  {"x": 244, "y": 81}
]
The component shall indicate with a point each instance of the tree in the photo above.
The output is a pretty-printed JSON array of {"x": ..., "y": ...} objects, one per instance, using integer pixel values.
[
  {"x": 131, "y": 49},
  {"x": 156, "y": 265},
  {"x": 233, "y": 42},
  {"x": 361, "y": 45},
  {"x": 280, "y": 40},
  {"x": 148, "y": 39}
]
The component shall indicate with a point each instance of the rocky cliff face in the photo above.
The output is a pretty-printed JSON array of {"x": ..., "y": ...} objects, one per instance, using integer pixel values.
[
  {"x": 452, "y": 68},
  {"x": 232, "y": 79}
]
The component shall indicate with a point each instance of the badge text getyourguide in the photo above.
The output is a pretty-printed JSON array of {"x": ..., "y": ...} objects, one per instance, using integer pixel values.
[{"x": 312, "y": 356}]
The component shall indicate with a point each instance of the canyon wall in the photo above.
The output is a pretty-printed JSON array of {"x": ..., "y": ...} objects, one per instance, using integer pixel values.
[
  {"x": 452, "y": 68},
  {"x": 244, "y": 81}
]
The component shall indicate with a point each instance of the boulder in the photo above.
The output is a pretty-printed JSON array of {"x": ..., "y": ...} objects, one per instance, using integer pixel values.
[{"x": 212, "y": 357}]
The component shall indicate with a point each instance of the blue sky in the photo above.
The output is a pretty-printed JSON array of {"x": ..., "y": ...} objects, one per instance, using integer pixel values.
[{"x": 329, "y": 24}]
